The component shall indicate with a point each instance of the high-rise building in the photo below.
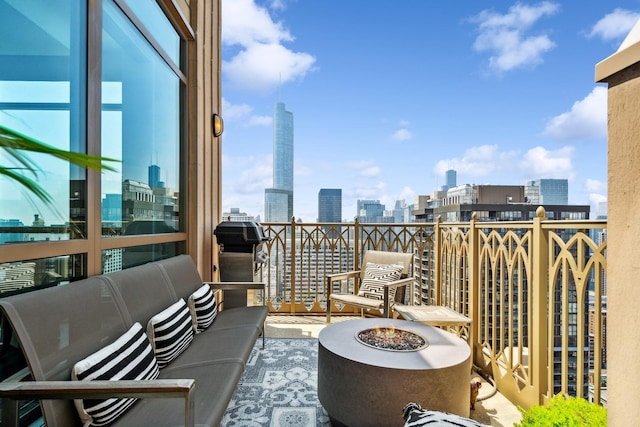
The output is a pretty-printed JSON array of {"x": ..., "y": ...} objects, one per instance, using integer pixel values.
[
  {"x": 330, "y": 205},
  {"x": 450, "y": 179},
  {"x": 154, "y": 176},
  {"x": 330, "y": 209},
  {"x": 372, "y": 211},
  {"x": 551, "y": 191},
  {"x": 279, "y": 199}
]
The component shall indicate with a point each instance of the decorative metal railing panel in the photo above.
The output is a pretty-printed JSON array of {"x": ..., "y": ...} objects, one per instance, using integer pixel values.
[{"x": 535, "y": 290}]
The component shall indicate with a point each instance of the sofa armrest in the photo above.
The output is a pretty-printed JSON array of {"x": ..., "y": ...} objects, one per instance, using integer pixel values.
[
  {"x": 11, "y": 392},
  {"x": 236, "y": 285}
]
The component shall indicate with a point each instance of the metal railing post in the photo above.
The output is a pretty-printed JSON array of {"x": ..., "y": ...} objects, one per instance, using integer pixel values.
[
  {"x": 541, "y": 373},
  {"x": 473, "y": 289},
  {"x": 292, "y": 266},
  {"x": 438, "y": 247}
]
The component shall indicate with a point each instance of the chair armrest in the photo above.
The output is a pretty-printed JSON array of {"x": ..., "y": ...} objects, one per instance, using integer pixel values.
[
  {"x": 338, "y": 277},
  {"x": 342, "y": 276},
  {"x": 395, "y": 284},
  {"x": 11, "y": 392}
]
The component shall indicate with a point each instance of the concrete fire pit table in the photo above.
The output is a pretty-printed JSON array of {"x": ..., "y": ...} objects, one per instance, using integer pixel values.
[{"x": 359, "y": 385}]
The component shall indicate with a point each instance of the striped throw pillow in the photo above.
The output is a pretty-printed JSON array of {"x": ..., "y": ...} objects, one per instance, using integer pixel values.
[
  {"x": 170, "y": 332},
  {"x": 130, "y": 357},
  {"x": 203, "y": 308},
  {"x": 375, "y": 277}
]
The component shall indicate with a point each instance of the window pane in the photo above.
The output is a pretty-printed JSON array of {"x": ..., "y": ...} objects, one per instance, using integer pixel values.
[
  {"x": 158, "y": 25},
  {"x": 140, "y": 125},
  {"x": 42, "y": 95}
]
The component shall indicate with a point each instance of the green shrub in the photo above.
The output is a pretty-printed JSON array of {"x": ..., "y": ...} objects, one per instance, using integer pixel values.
[{"x": 564, "y": 411}]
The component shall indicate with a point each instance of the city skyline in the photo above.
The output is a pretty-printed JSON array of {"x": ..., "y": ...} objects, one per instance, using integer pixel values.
[{"x": 390, "y": 99}]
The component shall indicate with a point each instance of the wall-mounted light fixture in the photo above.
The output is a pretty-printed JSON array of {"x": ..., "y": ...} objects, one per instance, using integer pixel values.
[{"x": 218, "y": 125}]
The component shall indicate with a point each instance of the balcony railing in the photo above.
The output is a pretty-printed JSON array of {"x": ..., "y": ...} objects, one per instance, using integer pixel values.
[{"x": 535, "y": 290}]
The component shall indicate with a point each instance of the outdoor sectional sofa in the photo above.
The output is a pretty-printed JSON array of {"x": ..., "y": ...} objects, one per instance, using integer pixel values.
[{"x": 58, "y": 327}]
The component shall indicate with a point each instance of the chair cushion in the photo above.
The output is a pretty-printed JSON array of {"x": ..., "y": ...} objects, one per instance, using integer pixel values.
[
  {"x": 375, "y": 277},
  {"x": 130, "y": 357},
  {"x": 170, "y": 332},
  {"x": 203, "y": 308}
]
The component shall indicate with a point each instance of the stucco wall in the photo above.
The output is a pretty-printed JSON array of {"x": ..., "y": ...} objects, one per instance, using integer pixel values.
[{"x": 623, "y": 258}]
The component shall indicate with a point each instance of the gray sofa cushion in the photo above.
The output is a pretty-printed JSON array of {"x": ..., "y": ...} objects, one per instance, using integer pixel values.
[{"x": 215, "y": 383}]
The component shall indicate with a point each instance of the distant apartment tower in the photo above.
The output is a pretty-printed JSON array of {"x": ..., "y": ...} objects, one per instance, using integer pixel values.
[
  {"x": 279, "y": 199},
  {"x": 549, "y": 192},
  {"x": 330, "y": 209}
]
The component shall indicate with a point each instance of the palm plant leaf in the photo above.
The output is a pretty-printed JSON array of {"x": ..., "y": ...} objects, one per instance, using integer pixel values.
[
  {"x": 17, "y": 145},
  {"x": 10, "y": 139}
]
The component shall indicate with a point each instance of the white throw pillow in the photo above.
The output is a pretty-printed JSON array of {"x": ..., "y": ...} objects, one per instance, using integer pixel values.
[
  {"x": 170, "y": 332},
  {"x": 203, "y": 308},
  {"x": 130, "y": 357},
  {"x": 375, "y": 277}
]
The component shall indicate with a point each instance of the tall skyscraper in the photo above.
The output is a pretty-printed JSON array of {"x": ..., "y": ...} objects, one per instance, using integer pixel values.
[
  {"x": 154, "y": 176},
  {"x": 452, "y": 178},
  {"x": 279, "y": 199}
]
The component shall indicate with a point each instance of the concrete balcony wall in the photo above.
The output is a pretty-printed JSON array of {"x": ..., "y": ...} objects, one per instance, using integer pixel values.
[{"x": 621, "y": 72}]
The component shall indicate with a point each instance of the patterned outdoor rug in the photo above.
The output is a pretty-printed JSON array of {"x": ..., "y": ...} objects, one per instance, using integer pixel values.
[{"x": 279, "y": 387}]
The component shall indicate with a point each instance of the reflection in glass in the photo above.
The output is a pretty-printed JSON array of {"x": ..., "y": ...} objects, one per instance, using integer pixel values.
[
  {"x": 121, "y": 258},
  {"x": 140, "y": 125},
  {"x": 31, "y": 275},
  {"x": 42, "y": 95},
  {"x": 158, "y": 25}
]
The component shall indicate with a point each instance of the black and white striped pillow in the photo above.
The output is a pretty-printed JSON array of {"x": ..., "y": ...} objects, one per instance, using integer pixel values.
[
  {"x": 415, "y": 416},
  {"x": 375, "y": 277},
  {"x": 203, "y": 308},
  {"x": 130, "y": 357},
  {"x": 170, "y": 332}
]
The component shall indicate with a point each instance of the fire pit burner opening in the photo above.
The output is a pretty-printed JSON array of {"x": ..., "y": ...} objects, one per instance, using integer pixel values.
[{"x": 392, "y": 339}]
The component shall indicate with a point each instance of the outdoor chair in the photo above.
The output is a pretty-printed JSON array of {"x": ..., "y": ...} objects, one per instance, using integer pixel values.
[{"x": 377, "y": 286}]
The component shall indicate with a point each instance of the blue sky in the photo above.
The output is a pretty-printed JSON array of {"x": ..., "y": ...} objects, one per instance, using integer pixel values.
[{"x": 387, "y": 96}]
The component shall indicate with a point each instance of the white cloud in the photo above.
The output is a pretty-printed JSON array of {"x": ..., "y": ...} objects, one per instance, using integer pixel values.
[
  {"x": 242, "y": 113},
  {"x": 614, "y": 25},
  {"x": 478, "y": 161},
  {"x": 257, "y": 174},
  {"x": 262, "y": 62},
  {"x": 401, "y": 135},
  {"x": 586, "y": 120},
  {"x": 231, "y": 112},
  {"x": 540, "y": 162},
  {"x": 260, "y": 121},
  {"x": 263, "y": 66},
  {"x": 246, "y": 23},
  {"x": 407, "y": 194},
  {"x": 506, "y": 36},
  {"x": 594, "y": 186}
]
